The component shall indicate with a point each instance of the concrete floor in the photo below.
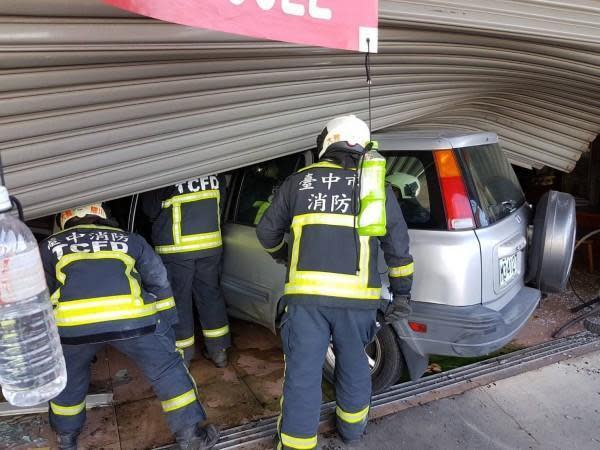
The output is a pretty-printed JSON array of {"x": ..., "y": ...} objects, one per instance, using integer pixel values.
[
  {"x": 247, "y": 390},
  {"x": 553, "y": 408}
]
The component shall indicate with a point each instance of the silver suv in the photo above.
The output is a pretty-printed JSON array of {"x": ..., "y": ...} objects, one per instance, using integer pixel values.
[{"x": 481, "y": 257}]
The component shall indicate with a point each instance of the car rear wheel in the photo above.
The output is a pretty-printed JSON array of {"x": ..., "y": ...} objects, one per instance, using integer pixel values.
[
  {"x": 385, "y": 360},
  {"x": 553, "y": 242}
]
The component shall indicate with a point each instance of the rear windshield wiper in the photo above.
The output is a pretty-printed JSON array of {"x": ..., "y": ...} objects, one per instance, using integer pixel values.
[{"x": 507, "y": 205}]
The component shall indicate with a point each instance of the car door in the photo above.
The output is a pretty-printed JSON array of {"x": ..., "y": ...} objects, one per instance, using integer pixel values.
[{"x": 252, "y": 281}]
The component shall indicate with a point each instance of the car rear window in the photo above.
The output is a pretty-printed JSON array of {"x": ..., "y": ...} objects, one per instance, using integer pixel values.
[
  {"x": 495, "y": 189},
  {"x": 413, "y": 179}
]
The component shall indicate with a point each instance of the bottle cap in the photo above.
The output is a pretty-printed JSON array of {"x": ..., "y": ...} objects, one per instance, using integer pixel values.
[{"x": 5, "y": 203}]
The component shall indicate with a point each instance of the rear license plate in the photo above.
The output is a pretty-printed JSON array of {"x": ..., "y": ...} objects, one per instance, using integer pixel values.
[{"x": 508, "y": 269}]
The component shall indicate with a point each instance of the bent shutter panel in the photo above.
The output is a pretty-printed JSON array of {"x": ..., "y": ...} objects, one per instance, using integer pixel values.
[{"x": 96, "y": 103}]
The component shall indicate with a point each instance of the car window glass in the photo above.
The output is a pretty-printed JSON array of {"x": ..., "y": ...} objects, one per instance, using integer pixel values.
[
  {"x": 259, "y": 184},
  {"x": 407, "y": 177},
  {"x": 497, "y": 189}
]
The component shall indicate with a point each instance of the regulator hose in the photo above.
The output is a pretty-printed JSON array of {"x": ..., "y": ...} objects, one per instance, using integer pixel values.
[{"x": 595, "y": 309}]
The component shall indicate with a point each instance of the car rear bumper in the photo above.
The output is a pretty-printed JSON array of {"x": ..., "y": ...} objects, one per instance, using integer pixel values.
[{"x": 467, "y": 330}]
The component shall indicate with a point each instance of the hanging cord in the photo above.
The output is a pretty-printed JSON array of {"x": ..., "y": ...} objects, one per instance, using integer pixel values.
[
  {"x": 594, "y": 309},
  {"x": 2, "y": 171},
  {"x": 369, "y": 80},
  {"x": 357, "y": 185},
  {"x": 14, "y": 200},
  {"x": 132, "y": 213},
  {"x": 16, "y": 203},
  {"x": 356, "y": 201}
]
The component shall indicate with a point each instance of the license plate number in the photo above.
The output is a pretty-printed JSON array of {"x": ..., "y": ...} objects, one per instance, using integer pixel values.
[{"x": 508, "y": 269}]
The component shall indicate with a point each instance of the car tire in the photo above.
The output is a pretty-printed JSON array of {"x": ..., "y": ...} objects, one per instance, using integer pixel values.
[
  {"x": 386, "y": 355},
  {"x": 553, "y": 242}
]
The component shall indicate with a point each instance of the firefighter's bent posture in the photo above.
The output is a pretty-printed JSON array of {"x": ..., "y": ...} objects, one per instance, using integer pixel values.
[
  {"x": 109, "y": 287},
  {"x": 332, "y": 291},
  {"x": 186, "y": 233}
]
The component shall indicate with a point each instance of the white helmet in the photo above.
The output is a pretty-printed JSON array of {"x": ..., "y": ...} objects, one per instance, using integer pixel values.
[
  {"x": 95, "y": 209},
  {"x": 408, "y": 185},
  {"x": 348, "y": 129}
]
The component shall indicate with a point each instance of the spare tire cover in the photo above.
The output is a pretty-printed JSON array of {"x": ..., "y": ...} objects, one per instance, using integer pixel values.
[{"x": 553, "y": 242}]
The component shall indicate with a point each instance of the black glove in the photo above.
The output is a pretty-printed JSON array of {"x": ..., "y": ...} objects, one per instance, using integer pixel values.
[
  {"x": 281, "y": 255},
  {"x": 395, "y": 310}
]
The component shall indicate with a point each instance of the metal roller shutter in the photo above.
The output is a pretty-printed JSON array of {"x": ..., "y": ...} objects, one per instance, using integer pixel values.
[{"x": 96, "y": 103}]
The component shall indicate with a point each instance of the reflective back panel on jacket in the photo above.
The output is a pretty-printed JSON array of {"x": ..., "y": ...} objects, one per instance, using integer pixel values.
[
  {"x": 191, "y": 220},
  {"x": 94, "y": 284},
  {"x": 328, "y": 258}
]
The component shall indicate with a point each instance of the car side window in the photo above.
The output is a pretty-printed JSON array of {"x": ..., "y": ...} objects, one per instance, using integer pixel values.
[
  {"x": 259, "y": 184},
  {"x": 412, "y": 179}
]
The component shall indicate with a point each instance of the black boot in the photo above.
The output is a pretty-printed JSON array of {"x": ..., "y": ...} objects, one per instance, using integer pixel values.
[
  {"x": 195, "y": 437},
  {"x": 219, "y": 358},
  {"x": 67, "y": 441}
]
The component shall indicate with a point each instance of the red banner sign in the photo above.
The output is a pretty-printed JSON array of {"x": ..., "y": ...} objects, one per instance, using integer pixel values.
[{"x": 343, "y": 24}]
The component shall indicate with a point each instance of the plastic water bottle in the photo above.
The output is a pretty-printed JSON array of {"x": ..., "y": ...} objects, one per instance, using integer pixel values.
[
  {"x": 32, "y": 366},
  {"x": 372, "y": 217}
]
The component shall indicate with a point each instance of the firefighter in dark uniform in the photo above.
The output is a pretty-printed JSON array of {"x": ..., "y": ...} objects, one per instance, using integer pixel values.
[
  {"x": 109, "y": 287},
  {"x": 332, "y": 290},
  {"x": 186, "y": 233}
]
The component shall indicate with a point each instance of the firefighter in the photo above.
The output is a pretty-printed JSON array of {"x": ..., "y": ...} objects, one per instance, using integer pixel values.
[
  {"x": 186, "y": 233},
  {"x": 332, "y": 290},
  {"x": 109, "y": 287}
]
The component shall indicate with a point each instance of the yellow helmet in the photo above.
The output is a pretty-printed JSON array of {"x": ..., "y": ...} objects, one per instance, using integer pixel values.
[{"x": 95, "y": 209}]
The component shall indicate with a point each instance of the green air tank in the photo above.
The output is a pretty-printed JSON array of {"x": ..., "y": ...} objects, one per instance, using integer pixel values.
[{"x": 371, "y": 218}]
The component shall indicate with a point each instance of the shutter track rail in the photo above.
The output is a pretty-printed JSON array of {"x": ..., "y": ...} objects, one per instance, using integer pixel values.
[{"x": 452, "y": 382}]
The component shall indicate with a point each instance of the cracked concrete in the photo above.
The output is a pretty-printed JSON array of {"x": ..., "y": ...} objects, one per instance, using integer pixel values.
[{"x": 555, "y": 407}]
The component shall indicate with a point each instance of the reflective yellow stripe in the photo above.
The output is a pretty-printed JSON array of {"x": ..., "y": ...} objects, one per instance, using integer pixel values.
[
  {"x": 191, "y": 242},
  {"x": 67, "y": 410},
  {"x": 325, "y": 164},
  {"x": 126, "y": 259},
  {"x": 191, "y": 197},
  {"x": 217, "y": 332},
  {"x": 352, "y": 417},
  {"x": 402, "y": 271},
  {"x": 102, "y": 309},
  {"x": 334, "y": 291},
  {"x": 277, "y": 247},
  {"x": 185, "y": 343},
  {"x": 179, "y": 402},
  {"x": 329, "y": 283},
  {"x": 202, "y": 244},
  {"x": 299, "y": 443},
  {"x": 262, "y": 206},
  {"x": 163, "y": 305}
]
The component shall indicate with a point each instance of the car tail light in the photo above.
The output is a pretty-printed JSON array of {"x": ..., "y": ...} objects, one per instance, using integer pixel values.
[
  {"x": 454, "y": 192},
  {"x": 418, "y": 327}
]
